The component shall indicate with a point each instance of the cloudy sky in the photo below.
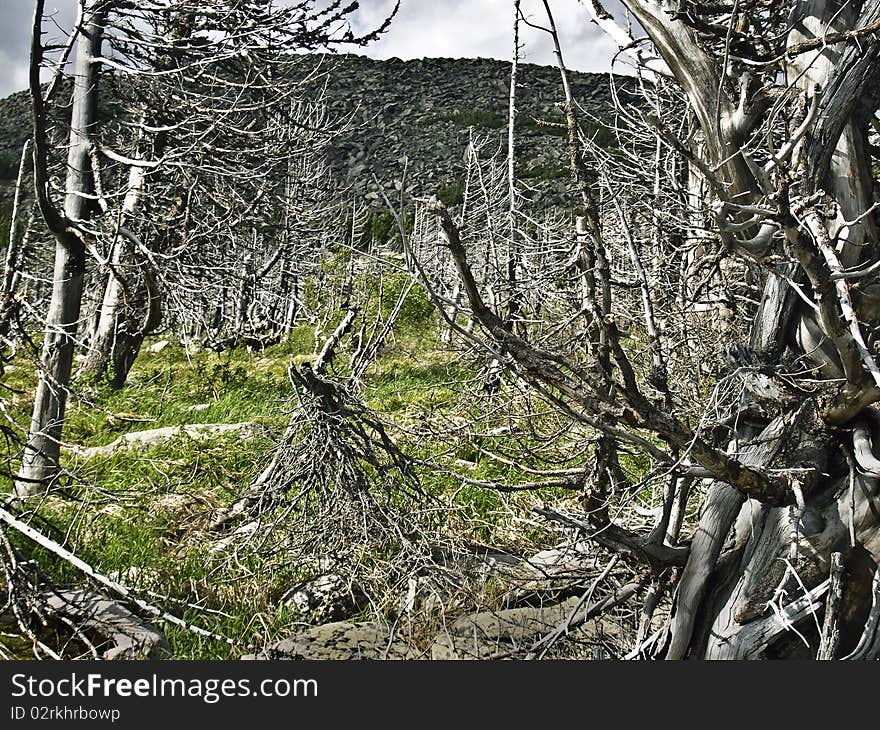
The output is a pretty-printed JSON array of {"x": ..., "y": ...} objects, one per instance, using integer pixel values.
[
  {"x": 483, "y": 28},
  {"x": 423, "y": 28}
]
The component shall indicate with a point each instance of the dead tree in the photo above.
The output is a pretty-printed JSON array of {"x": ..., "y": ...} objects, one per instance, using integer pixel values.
[
  {"x": 43, "y": 446},
  {"x": 778, "y": 123},
  {"x": 202, "y": 91}
]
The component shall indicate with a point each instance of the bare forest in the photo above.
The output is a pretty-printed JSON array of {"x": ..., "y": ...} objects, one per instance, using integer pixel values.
[{"x": 300, "y": 363}]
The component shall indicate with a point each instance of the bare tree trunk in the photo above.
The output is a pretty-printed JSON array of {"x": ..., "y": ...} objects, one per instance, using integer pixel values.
[
  {"x": 760, "y": 594},
  {"x": 104, "y": 334},
  {"x": 40, "y": 460},
  {"x": 122, "y": 326},
  {"x": 107, "y": 334},
  {"x": 513, "y": 305},
  {"x": 11, "y": 273},
  {"x": 292, "y": 300}
]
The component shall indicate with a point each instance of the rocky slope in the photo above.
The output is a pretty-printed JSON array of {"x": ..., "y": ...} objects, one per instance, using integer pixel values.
[{"x": 423, "y": 111}]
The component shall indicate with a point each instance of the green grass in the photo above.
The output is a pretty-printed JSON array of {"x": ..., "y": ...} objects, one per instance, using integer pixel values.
[
  {"x": 145, "y": 510},
  {"x": 208, "y": 388},
  {"x": 142, "y": 516}
]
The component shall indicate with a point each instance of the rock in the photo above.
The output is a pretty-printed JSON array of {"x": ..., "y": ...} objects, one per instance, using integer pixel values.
[
  {"x": 419, "y": 109},
  {"x": 158, "y": 346},
  {"x": 342, "y": 641},
  {"x": 131, "y": 636},
  {"x": 552, "y": 575},
  {"x": 324, "y": 599},
  {"x": 579, "y": 556},
  {"x": 492, "y": 633},
  {"x": 198, "y": 432}
]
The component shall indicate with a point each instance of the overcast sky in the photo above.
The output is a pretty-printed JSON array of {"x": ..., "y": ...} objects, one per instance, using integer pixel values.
[{"x": 423, "y": 28}]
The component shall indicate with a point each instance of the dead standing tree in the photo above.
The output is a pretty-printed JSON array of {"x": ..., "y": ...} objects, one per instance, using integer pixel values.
[
  {"x": 784, "y": 101},
  {"x": 42, "y": 449},
  {"x": 211, "y": 84}
]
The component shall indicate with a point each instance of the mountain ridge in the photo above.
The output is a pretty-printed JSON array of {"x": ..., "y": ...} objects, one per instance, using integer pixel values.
[{"x": 422, "y": 111}]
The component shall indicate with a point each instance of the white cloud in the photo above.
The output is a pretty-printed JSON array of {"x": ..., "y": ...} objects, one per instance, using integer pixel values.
[
  {"x": 484, "y": 28},
  {"x": 423, "y": 28},
  {"x": 16, "y": 17}
]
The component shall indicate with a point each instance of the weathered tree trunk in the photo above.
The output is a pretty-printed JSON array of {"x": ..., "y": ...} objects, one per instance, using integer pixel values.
[
  {"x": 783, "y": 162},
  {"x": 131, "y": 308},
  {"x": 126, "y": 318},
  {"x": 293, "y": 304},
  {"x": 755, "y": 582},
  {"x": 132, "y": 305},
  {"x": 11, "y": 273},
  {"x": 40, "y": 461},
  {"x": 109, "y": 333},
  {"x": 104, "y": 333}
]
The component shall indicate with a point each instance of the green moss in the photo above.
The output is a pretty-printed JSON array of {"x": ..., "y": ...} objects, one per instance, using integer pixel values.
[
  {"x": 483, "y": 118},
  {"x": 452, "y": 193},
  {"x": 601, "y": 135},
  {"x": 545, "y": 172},
  {"x": 550, "y": 129}
]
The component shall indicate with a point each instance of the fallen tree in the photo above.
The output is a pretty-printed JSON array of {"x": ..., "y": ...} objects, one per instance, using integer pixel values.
[{"x": 136, "y": 440}]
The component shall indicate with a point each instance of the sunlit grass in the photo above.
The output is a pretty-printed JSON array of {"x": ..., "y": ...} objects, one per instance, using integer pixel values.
[{"x": 142, "y": 515}]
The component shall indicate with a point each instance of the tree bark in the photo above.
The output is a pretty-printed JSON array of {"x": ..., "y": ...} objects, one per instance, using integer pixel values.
[
  {"x": 40, "y": 460},
  {"x": 738, "y": 600}
]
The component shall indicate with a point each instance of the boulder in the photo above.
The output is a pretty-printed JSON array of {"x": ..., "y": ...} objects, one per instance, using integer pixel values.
[
  {"x": 325, "y": 599},
  {"x": 509, "y": 632},
  {"x": 342, "y": 640}
]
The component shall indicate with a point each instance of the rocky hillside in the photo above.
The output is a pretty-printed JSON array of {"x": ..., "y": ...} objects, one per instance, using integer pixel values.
[{"x": 423, "y": 111}]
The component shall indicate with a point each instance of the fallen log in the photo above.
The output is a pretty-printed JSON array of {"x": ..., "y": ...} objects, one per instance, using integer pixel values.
[
  {"x": 157, "y": 436},
  {"x": 131, "y": 637}
]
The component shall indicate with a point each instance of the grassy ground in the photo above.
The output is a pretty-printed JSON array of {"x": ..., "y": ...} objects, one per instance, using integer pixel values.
[
  {"x": 132, "y": 515},
  {"x": 140, "y": 516}
]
